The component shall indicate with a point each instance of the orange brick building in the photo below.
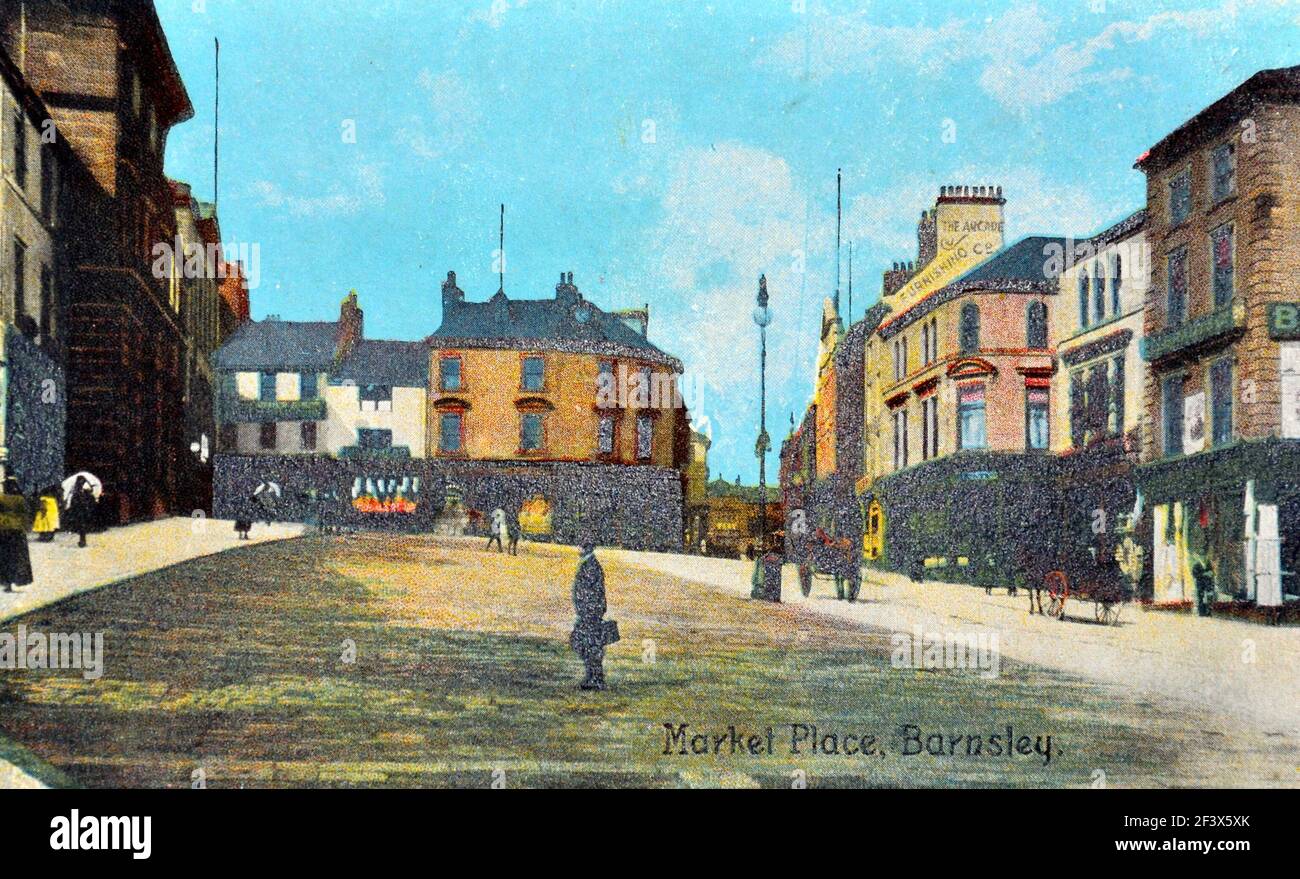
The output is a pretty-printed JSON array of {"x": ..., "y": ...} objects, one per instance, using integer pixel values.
[{"x": 560, "y": 406}]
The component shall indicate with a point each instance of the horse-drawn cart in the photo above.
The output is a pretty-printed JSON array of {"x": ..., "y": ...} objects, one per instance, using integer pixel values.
[{"x": 1107, "y": 593}]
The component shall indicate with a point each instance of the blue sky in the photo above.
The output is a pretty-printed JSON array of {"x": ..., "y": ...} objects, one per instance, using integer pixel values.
[{"x": 669, "y": 152}]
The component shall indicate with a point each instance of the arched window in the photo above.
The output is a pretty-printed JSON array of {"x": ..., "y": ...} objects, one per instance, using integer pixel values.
[
  {"x": 1116, "y": 279},
  {"x": 1098, "y": 293},
  {"x": 1083, "y": 300},
  {"x": 970, "y": 328},
  {"x": 1036, "y": 325}
]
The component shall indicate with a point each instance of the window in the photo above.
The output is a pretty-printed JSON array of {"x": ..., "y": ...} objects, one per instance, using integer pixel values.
[
  {"x": 1098, "y": 293},
  {"x": 530, "y": 432},
  {"x": 266, "y": 388},
  {"x": 534, "y": 374},
  {"x": 376, "y": 398},
  {"x": 228, "y": 438},
  {"x": 450, "y": 433},
  {"x": 644, "y": 437},
  {"x": 900, "y": 438},
  {"x": 929, "y": 342},
  {"x": 970, "y": 328},
  {"x": 1172, "y": 411},
  {"x": 20, "y": 278},
  {"x": 1180, "y": 197},
  {"x": 1222, "y": 258},
  {"x": 449, "y": 373},
  {"x": 20, "y": 150},
  {"x": 971, "y": 433},
  {"x": 1223, "y": 172},
  {"x": 1116, "y": 280},
  {"x": 374, "y": 440},
  {"x": 1036, "y": 325},
  {"x": 900, "y": 359},
  {"x": 1036, "y": 423},
  {"x": 1083, "y": 300},
  {"x": 307, "y": 433},
  {"x": 605, "y": 436},
  {"x": 930, "y": 427},
  {"x": 266, "y": 438},
  {"x": 1290, "y": 356},
  {"x": 47, "y": 182},
  {"x": 1117, "y": 396},
  {"x": 1078, "y": 410},
  {"x": 1221, "y": 401},
  {"x": 309, "y": 386},
  {"x": 1177, "y": 307},
  {"x": 1098, "y": 401},
  {"x": 47, "y": 305}
]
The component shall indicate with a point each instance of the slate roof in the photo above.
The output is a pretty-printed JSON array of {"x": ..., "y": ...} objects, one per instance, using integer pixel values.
[
  {"x": 516, "y": 320},
  {"x": 1024, "y": 267},
  {"x": 279, "y": 344},
  {"x": 379, "y": 362},
  {"x": 1025, "y": 261}
]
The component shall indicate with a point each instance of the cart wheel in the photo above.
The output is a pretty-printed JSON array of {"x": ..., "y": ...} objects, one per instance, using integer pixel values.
[{"x": 1107, "y": 613}]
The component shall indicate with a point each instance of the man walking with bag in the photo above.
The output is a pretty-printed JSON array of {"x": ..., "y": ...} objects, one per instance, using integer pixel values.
[{"x": 591, "y": 631}]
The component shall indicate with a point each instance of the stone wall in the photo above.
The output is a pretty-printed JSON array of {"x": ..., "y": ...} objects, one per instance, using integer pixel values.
[{"x": 35, "y": 414}]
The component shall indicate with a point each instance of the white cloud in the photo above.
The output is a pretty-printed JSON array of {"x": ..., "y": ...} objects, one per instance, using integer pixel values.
[
  {"x": 366, "y": 190},
  {"x": 451, "y": 119},
  {"x": 729, "y": 213},
  {"x": 1024, "y": 66}
]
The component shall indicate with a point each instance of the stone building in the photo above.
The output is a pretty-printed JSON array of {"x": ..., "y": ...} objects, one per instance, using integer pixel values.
[
  {"x": 558, "y": 406},
  {"x": 104, "y": 71},
  {"x": 196, "y": 277},
  {"x": 33, "y": 270},
  {"x": 1221, "y": 471},
  {"x": 327, "y": 416},
  {"x": 695, "y": 493},
  {"x": 1097, "y": 391}
]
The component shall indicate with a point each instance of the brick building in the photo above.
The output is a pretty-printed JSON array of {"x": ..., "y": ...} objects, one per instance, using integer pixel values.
[
  {"x": 104, "y": 70},
  {"x": 1221, "y": 471},
  {"x": 557, "y": 405}
]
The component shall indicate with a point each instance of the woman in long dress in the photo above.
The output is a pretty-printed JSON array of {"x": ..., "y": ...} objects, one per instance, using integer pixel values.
[{"x": 15, "y": 517}]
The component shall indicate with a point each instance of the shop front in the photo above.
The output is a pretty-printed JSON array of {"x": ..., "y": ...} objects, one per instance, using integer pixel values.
[{"x": 1225, "y": 528}]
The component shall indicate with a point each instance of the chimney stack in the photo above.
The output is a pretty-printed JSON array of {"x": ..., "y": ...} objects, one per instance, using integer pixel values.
[
  {"x": 351, "y": 327},
  {"x": 451, "y": 294}
]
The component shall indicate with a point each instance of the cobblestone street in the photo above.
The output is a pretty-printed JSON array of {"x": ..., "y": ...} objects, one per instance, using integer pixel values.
[{"x": 238, "y": 669}]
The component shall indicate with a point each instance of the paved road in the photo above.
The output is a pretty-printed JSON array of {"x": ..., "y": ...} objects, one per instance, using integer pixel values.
[
  {"x": 61, "y": 569},
  {"x": 1248, "y": 671}
]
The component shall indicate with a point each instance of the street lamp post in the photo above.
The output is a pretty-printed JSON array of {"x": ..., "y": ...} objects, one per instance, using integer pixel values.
[{"x": 762, "y": 317}]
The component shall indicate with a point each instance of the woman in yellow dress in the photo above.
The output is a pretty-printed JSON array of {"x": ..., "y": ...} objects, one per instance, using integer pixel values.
[{"x": 47, "y": 516}]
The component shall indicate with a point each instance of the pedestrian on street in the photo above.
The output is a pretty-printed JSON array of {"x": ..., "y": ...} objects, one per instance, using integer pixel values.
[
  {"x": 513, "y": 529},
  {"x": 15, "y": 517},
  {"x": 82, "y": 507},
  {"x": 496, "y": 529},
  {"x": 591, "y": 632},
  {"x": 46, "y": 522},
  {"x": 244, "y": 519}
]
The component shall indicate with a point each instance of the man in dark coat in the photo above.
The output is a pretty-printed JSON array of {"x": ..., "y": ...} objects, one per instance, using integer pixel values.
[
  {"x": 588, "y": 638},
  {"x": 81, "y": 509}
]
